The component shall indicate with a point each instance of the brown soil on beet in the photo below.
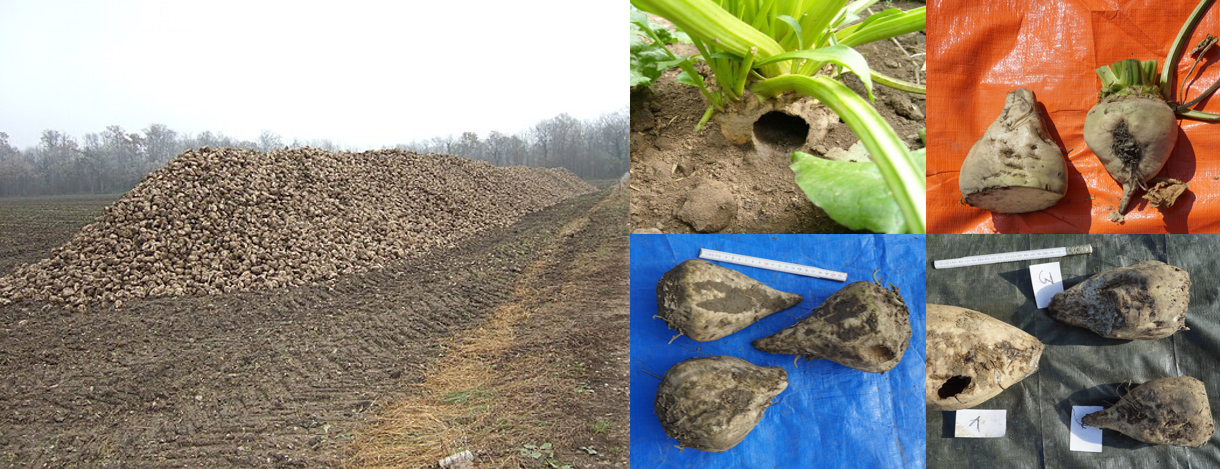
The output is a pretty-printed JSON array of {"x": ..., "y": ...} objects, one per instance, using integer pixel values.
[
  {"x": 290, "y": 377},
  {"x": 669, "y": 158}
]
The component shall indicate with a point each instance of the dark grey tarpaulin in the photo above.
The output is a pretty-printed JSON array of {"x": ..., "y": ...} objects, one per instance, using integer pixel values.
[{"x": 1078, "y": 367}]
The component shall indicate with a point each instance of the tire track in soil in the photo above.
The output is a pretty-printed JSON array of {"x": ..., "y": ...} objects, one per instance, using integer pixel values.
[
  {"x": 273, "y": 378},
  {"x": 546, "y": 368}
]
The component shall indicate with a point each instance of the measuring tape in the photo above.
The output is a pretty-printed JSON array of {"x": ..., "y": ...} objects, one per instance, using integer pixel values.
[
  {"x": 1013, "y": 256},
  {"x": 771, "y": 265}
]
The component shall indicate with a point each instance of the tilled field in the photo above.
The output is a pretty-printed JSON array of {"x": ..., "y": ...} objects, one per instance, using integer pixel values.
[{"x": 284, "y": 376}]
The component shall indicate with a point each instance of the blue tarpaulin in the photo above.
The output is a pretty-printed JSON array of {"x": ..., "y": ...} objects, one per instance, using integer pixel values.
[{"x": 830, "y": 415}]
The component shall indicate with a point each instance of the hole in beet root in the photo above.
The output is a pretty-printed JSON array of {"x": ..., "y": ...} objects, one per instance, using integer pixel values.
[
  {"x": 781, "y": 131},
  {"x": 882, "y": 353},
  {"x": 953, "y": 386}
]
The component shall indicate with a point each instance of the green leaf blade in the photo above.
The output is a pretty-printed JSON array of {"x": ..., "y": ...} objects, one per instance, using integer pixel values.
[
  {"x": 796, "y": 29},
  {"x": 853, "y": 194},
  {"x": 649, "y": 56}
]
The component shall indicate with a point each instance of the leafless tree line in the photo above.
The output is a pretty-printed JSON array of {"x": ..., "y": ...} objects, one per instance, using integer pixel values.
[
  {"x": 115, "y": 160},
  {"x": 594, "y": 149}
]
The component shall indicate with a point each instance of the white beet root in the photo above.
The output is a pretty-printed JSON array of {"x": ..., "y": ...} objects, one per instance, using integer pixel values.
[
  {"x": 1015, "y": 167},
  {"x": 973, "y": 357}
]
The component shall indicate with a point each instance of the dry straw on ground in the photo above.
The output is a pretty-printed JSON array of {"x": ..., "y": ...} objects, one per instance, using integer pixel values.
[{"x": 502, "y": 386}]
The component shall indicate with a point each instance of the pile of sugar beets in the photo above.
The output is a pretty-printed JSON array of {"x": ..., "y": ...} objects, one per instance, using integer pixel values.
[
  {"x": 972, "y": 357},
  {"x": 712, "y": 403},
  {"x": 220, "y": 220},
  {"x": 1016, "y": 167}
]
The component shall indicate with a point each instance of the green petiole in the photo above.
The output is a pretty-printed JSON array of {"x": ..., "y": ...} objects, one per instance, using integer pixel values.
[
  {"x": 1180, "y": 43},
  {"x": 1169, "y": 69},
  {"x": 891, "y": 25},
  {"x": 897, "y": 84},
  {"x": 704, "y": 19}
]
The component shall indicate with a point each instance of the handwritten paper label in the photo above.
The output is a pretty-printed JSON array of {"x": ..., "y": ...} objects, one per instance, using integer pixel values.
[
  {"x": 1084, "y": 438},
  {"x": 974, "y": 423},
  {"x": 1047, "y": 282}
]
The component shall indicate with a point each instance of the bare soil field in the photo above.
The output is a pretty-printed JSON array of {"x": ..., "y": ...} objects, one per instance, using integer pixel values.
[
  {"x": 319, "y": 375},
  {"x": 32, "y": 226},
  {"x": 669, "y": 159}
]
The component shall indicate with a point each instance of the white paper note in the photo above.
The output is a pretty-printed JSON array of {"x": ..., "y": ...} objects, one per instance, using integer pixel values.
[
  {"x": 1047, "y": 282},
  {"x": 1084, "y": 438},
  {"x": 974, "y": 423}
]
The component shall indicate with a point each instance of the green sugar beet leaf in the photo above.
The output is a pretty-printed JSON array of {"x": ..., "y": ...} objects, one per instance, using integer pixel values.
[
  {"x": 649, "y": 58},
  {"x": 853, "y": 194}
]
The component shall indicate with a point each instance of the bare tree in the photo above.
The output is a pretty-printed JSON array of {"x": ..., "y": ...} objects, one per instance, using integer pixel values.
[
  {"x": 268, "y": 141},
  {"x": 115, "y": 160}
]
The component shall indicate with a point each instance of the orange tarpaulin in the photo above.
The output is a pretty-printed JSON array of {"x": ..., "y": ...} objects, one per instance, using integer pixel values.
[{"x": 979, "y": 51}]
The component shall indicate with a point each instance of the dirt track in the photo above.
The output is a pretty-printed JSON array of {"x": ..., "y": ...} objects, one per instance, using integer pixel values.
[{"x": 285, "y": 377}]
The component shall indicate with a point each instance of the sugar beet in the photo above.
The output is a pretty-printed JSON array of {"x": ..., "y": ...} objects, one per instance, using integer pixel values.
[
  {"x": 1142, "y": 301},
  {"x": 712, "y": 403},
  {"x": 863, "y": 326},
  {"x": 972, "y": 357},
  {"x": 1164, "y": 411},
  {"x": 705, "y": 301},
  {"x": 1015, "y": 167}
]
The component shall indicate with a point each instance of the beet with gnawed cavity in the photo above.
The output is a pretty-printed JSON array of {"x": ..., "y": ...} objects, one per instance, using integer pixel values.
[
  {"x": 1164, "y": 411},
  {"x": 1131, "y": 129},
  {"x": 1147, "y": 300},
  {"x": 973, "y": 357},
  {"x": 863, "y": 326}
]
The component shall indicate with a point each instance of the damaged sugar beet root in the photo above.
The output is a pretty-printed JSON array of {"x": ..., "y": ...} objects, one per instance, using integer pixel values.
[
  {"x": 705, "y": 301},
  {"x": 1164, "y": 411},
  {"x": 712, "y": 403},
  {"x": 1015, "y": 167},
  {"x": 1133, "y": 127},
  {"x": 864, "y": 326},
  {"x": 1132, "y": 131},
  {"x": 973, "y": 357},
  {"x": 1147, "y": 300}
]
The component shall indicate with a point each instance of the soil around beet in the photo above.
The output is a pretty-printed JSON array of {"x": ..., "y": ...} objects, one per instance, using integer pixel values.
[
  {"x": 669, "y": 158},
  {"x": 282, "y": 377}
]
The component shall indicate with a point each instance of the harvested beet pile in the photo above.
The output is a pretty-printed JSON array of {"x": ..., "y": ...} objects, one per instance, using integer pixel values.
[{"x": 221, "y": 220}]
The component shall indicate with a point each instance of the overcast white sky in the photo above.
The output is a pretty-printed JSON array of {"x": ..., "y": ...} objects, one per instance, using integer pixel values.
[{"x": 360, "y": 73}]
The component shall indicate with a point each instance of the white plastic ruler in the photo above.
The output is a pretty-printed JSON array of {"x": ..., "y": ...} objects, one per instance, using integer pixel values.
[
  {"x": 768, "y": 264},
  {"x": 1013, "y": 256}
]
